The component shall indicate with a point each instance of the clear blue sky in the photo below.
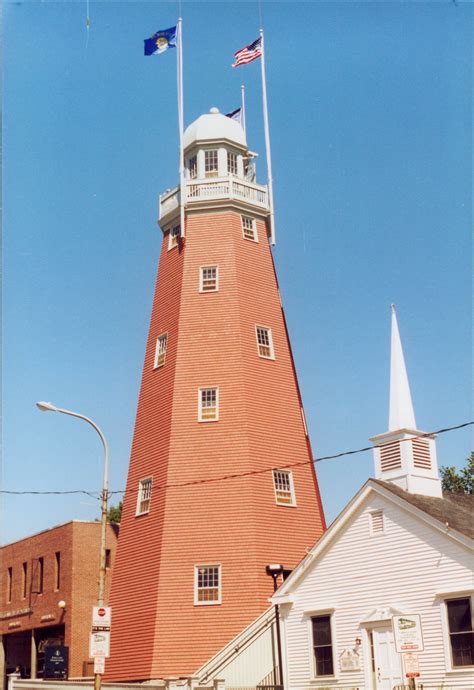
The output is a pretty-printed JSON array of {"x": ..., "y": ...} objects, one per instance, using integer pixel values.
[{"x": 370, "y": 116}]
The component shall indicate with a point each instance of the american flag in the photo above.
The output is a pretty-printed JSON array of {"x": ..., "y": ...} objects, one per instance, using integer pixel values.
[{"x": 249, "y": 53}]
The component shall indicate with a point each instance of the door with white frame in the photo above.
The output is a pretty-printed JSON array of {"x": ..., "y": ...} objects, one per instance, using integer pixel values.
[{"x": 387, "y": 661}]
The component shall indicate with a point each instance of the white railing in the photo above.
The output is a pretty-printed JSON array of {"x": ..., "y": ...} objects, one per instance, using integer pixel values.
[
  {"x": 227, "y": 187},
  {"x": 215, "y": 189}
]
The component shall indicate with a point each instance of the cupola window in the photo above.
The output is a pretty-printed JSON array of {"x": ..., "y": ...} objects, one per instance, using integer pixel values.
[
  {"x": 211, "y": 163},
  {"x": 173, "y": 237},
  {"x": 193, "y": 168},
  {"x": 249, "y": 230},
  {"x": 232, "y": 163}
]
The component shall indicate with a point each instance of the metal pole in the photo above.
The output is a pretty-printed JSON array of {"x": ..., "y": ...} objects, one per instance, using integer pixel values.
[
  {"x": 267, "y": 143},
  {"x": 244, "y": 124},
  {"x": 277, "y": 624},
  {"x": 104, "y": 499},
  {"x": 182, "y": 187}
]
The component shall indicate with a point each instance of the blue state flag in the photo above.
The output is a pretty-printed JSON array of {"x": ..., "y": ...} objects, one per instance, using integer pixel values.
[{"x": 160, "y": 41}]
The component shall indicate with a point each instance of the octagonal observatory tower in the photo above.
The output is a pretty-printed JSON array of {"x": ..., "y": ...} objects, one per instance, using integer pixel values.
[{"x": 209, "y": 502}]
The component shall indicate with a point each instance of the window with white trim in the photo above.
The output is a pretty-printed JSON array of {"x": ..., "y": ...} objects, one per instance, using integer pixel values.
[
  {"x": 144, "y": 496},
  {"x": 249, "y": 228},
  {"x": 284, "y": 489},
  {"x": 173, "y": 237},
  {"x": 376, "y": 522},
  {"x": 208, "y": 405},
  {"x": 264, "y": 342},
  {"x": 231, "y": 163},
  {"x": 160, "y": 352},
  {"x": 207, "y": 584},
  {"x": 193, "y": 167},
  {"x": 461, "y": 631},
  {"x": 211, "y": 167},
  {"x": 209, "y": 279},
  {"x": 322, "y": 645}
]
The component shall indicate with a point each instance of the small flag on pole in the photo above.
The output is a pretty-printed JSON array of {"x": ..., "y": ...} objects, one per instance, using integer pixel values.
[
  {"x": 249, "y": 53},
  {"x": 161, "y": 41},
  {"x": 235, "y": 115}
]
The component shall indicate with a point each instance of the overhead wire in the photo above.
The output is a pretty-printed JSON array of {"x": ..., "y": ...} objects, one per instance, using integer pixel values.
[{"x": 249, "y": 473}]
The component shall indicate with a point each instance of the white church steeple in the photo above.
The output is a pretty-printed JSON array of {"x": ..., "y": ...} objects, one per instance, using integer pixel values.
[{"x": 404, "y": 455}]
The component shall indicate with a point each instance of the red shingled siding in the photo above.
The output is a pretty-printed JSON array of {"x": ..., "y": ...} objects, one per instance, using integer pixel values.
[{"x": 234, "y": 522}]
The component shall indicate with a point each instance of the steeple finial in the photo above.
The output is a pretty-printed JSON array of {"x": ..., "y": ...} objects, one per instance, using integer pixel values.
[{"x": 401, "y": 414}]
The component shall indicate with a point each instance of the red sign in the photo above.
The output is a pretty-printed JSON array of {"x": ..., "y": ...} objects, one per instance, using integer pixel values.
[{"x": 101, "y": 612}]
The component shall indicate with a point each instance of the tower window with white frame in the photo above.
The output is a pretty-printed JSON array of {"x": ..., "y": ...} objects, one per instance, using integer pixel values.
[
  {"x": 211, "y": 164},
  {"x": 249, "y": 228},
  {"x": 207, "y": 584},
  {"x": 160, "y": 352},
  {"x": 231, "y": 163},
  {"x": 264, "y": 342},
  {"x": 284, "y": 488},
  {"x": 208, "y": 410},
  {"x": 209, "y": 279},
  {"x": 173, "y": 237},
  {"x": 144, "y": 496},
  {"x": 193, "y": 167}
]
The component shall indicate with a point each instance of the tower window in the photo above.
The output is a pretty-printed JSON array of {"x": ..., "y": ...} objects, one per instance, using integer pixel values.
[
  {"x": 144, "y": 496},
  {"x": 160, "y": 352},
  {"x": 390, "y": 457},
  {"x": 284, "y": 489},
  {"x": 232, "y": 163},
  {"x": 210, "y": 163},
  {"x": 173, "y": 237},
  {"x": 264, "y": 342},
  {"x": 207, "y": 584},
  {"x": 376, "y": 522},
  {"x": 193, "y": 168},
  {"x": 421, "y": 453},
  {"x": 209, "y": 279},
  {"x": 249, "y": 230},
  {"x": 461, "y": 632},
  {"x": 322, "y": 646},
  {"x": 208, "y": 405}
]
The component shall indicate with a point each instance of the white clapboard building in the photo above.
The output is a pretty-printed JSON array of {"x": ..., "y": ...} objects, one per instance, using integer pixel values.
[{"x": 401, "y": 554}]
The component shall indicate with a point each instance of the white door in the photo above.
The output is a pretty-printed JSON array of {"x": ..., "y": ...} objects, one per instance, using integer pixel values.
[{"x": 388, "y": 667}]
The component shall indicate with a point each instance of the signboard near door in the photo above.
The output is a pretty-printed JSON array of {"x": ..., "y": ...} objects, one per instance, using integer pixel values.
[{"x": 56, "y": 660}]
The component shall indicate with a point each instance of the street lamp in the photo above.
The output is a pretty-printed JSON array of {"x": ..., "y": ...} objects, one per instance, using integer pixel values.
[
  {"x": 274, "y": 570},
  {"x": 49, "y": 407}
]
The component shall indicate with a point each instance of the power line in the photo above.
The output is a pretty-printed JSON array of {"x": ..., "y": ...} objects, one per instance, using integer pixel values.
[{"x": 236, "y": 475}]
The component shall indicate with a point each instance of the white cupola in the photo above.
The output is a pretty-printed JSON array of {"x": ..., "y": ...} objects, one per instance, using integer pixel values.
[{"x": 404, "y": 455}]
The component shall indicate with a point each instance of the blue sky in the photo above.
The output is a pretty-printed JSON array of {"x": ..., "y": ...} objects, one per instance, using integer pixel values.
[{"x": 370, "y": 117}]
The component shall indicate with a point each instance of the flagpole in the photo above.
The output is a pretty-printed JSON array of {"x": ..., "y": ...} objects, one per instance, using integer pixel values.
[
  {"x": 267, "y": 143},
  {"x": 182, "y": 187},
  {"x": 244, "y": 124}
]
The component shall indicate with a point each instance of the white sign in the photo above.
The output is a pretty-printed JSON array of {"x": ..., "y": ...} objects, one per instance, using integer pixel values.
[
  {"x": 99, "y": 644},
  {"x": 99, "y": 664},
  {"x": 407, "y": 632},
  {"x": 101, "y": 616},
  {"x": 349, "y": 660},
  {"x": 411, "y": 665}
]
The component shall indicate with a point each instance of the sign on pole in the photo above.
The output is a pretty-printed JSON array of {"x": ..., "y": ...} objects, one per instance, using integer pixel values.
[
  {"x": 101, "y": 617},
  {"x": 99, "y": 644},
  {"x": 411, "y": 665},
  {"x": 99, "y": 665},
  {"x": 407, "y": 632}
]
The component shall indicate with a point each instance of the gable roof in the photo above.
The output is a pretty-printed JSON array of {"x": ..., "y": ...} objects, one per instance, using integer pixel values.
[
  {"x": 451, "y": 514},
  {"x": 453, "y": 510}
]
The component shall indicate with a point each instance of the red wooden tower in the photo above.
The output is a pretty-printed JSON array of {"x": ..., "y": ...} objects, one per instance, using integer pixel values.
[{"x": 208, "y": 502}]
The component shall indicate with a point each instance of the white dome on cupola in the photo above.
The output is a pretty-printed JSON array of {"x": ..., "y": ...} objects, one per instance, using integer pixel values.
[{"x": 214, "y": 126}]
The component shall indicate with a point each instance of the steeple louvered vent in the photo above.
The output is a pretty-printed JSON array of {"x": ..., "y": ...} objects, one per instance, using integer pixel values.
[
  {"x": 421, "y": 453},
  {"x": 390, "y": 457}
]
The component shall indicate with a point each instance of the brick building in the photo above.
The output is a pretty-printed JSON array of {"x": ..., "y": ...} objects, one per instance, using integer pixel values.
[{"x": 49, "y": 584}]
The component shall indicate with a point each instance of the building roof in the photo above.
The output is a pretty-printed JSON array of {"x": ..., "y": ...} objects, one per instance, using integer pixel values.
[
  {"x": 454, "y": 510},
  {"x": 214, "y": 126}
]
